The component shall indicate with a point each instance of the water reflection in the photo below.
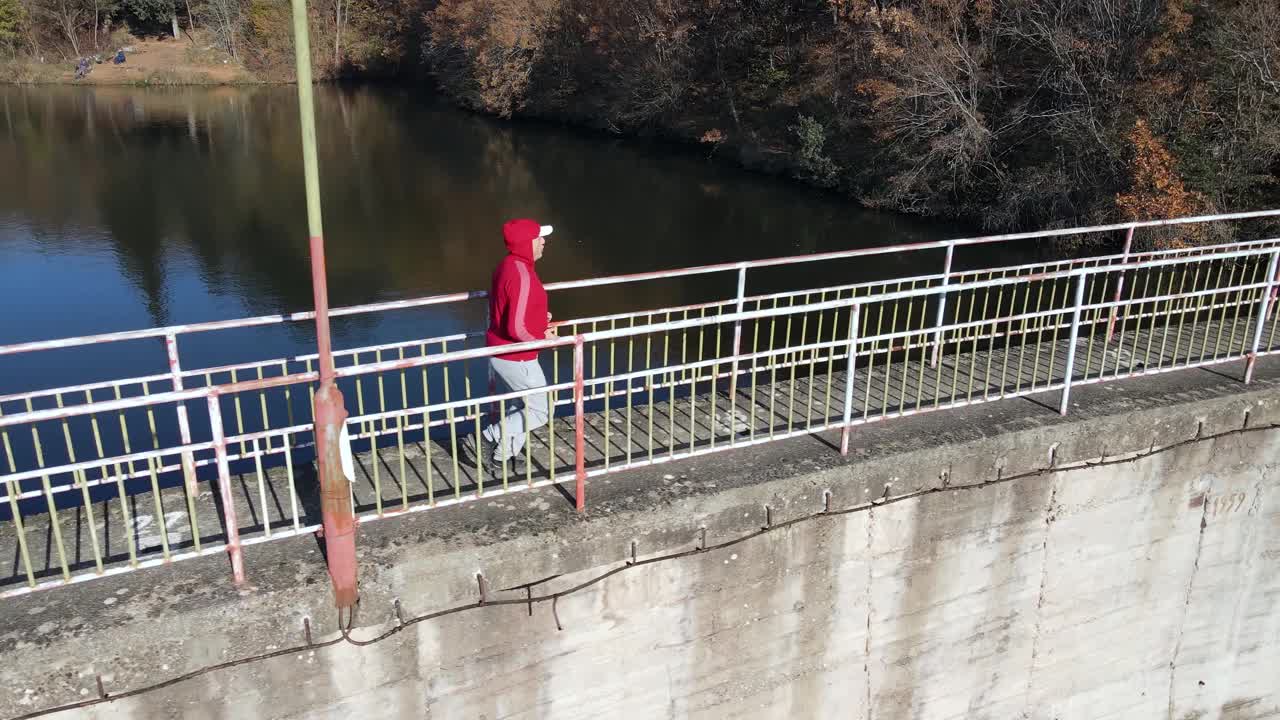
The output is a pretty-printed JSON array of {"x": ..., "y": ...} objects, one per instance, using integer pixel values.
[{"x": 123, "y": 208}]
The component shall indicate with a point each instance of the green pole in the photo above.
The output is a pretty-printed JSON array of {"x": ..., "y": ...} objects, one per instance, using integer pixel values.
[{"x": 310, "y": 163}]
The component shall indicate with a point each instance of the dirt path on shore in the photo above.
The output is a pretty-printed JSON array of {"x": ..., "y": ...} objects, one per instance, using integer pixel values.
[{"x": 161, "y": 62}]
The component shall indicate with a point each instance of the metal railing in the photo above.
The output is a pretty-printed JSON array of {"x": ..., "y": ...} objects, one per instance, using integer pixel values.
[{"x": 193, "y": 462}]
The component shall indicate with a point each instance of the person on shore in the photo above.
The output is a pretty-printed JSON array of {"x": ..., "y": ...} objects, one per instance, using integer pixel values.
[{"x": 517, "y": 314}]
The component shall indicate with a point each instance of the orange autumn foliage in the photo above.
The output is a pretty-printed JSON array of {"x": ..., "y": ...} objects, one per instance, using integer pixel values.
[{"x": 1157, "y": 191}]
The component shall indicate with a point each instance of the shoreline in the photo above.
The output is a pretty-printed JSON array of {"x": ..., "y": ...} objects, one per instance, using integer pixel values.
[
  {"x": 47, "y": 74},
  {"x": 147, "y": 63}
]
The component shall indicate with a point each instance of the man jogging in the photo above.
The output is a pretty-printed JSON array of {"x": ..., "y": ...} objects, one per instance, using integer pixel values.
[{"x": 517, "y": 314}]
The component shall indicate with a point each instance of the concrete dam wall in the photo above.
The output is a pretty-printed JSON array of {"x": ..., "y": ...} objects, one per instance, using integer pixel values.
[{"x": 993, "y": 562}]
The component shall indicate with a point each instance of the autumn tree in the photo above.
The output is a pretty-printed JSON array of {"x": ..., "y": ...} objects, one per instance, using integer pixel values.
[
  {"x": 930, "y": 83},
  {"x": 225, "y": 18},
  {"x": 1226, "y": 131},
  {"x": 71, "y": 19},
  {"x": 485, "y": 50},
  {"x": 1157, "y": 190}
]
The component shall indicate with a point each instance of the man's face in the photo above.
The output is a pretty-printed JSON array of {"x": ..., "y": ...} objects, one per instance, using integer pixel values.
[{"x": 538, "y": 244}]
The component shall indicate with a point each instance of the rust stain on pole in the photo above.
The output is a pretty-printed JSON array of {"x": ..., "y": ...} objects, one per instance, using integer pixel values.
[{"x": 337, "y": 518}]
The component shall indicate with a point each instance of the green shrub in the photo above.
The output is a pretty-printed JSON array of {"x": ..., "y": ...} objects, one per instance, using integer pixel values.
[{"x": 814, "y": 164}]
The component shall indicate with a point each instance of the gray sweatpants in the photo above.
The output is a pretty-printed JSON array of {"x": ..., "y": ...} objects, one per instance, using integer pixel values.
[{"x": 517, "y": 375}]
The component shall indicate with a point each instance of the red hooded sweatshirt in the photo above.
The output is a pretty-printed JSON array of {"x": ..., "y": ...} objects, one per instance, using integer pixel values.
[{"x": 517, "y": 300}]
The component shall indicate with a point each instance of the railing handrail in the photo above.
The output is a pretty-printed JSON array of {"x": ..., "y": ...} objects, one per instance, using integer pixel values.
[
  {"x": 1206, "y": 250},
  {"x": 174, "y": 396},
  {"x": 906, "y": 247},
  {"x": 481, "y": 352},
  {"x": 275, "y": 319}
]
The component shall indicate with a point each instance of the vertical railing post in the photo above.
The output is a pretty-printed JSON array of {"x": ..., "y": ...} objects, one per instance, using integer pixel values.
[
  {"x": 1115, "y": 309},
  {"x": 942, "y": 305},
  {"x": 1081, "y": 279},
  {"x": 338, "y": 520},
  {"x": 849, "y": 377},
  {"x": 1263, "y": 308},
  {"x": 579, "y": 429},
  {"x": 184, "y": 426},
  {"x": 493, "y": 380},
  {"x": 737, "y": 348},
  {"x": 224, "y": 490},
  {"x": 1275, "y": 291}
]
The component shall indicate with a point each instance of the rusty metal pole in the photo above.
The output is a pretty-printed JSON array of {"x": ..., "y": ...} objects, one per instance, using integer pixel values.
[
  {"x": 1071, "y": 343},
  {"x": 338, "y": 521},
  {"x": 579, "y": 431},
  {"x": 942, "y": 306},
  {"x": 230, "y": 520},
  {"x": 1115, "y": 309},
  {"x": 1263, "y": 309},
  {"x": 737, "y": 350},
  {"x": 849, "y": 378}
]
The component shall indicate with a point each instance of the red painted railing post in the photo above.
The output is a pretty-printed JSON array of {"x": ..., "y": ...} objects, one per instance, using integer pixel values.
[
  {"x": 224, "y": 490},
  {"x": 1115, "y": 309}
]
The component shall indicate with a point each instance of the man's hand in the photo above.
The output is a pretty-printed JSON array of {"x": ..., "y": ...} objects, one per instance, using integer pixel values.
[{"x": 552, "y": 334}]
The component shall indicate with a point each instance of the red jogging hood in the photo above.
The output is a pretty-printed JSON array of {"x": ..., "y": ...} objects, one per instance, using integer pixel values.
[
  {"x": 519, "y": 236},
  {"x": 517, "y": 300}
]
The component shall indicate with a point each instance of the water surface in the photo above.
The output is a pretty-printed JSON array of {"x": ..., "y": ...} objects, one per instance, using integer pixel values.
[{"x": 124, "y": 208}]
